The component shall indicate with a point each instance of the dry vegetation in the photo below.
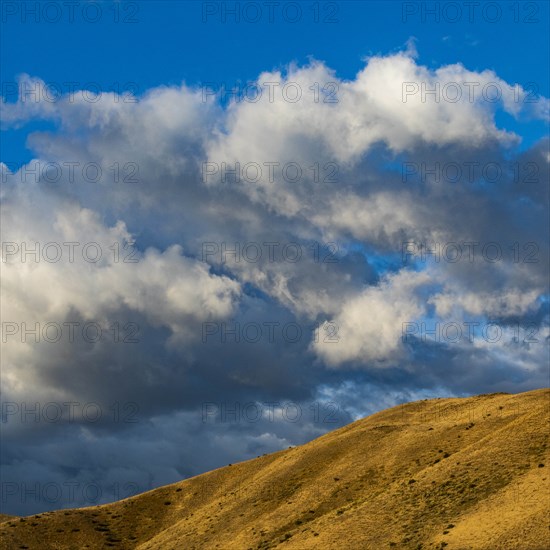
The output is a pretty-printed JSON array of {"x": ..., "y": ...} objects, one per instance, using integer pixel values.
[{"x": 443, "y": 473}]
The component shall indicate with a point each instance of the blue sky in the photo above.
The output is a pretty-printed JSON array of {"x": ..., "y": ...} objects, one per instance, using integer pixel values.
[
  {"x": 167, "y": 42},
  {"x": 378, "y": 176}
]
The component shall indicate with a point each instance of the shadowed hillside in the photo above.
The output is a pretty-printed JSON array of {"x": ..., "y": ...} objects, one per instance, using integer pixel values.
[{"x": 443, "y": 473}]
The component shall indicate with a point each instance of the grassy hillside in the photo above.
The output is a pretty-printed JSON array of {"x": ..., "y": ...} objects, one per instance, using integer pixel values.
[{"x": 444, "y": 473}]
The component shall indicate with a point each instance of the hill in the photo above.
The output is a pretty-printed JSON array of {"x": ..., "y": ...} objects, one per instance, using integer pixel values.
[{"x": 443, "y": 473}]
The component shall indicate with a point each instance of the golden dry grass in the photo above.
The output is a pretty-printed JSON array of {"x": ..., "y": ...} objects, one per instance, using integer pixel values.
[
  {"x": 444, "y": 473},
  {"x": 5, "y": 517}
]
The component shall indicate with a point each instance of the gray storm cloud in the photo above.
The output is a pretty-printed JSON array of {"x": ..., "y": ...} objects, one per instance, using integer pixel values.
[{"x": 318, "y": 243}]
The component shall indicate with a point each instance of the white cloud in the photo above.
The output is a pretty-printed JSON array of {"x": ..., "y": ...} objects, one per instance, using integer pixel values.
[{"x": 370, "y": 325}]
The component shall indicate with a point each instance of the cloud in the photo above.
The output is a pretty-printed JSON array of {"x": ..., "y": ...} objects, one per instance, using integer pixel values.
[
  {"x": 369, "y": 326},
  {"x": 327, "y": 240}
]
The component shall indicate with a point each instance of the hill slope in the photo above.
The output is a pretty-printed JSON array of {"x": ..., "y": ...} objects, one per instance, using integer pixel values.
[{"x": 443, "y": 473}]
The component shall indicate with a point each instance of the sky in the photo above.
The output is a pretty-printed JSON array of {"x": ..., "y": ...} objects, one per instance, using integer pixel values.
[{"x": 228, "y": 228}]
